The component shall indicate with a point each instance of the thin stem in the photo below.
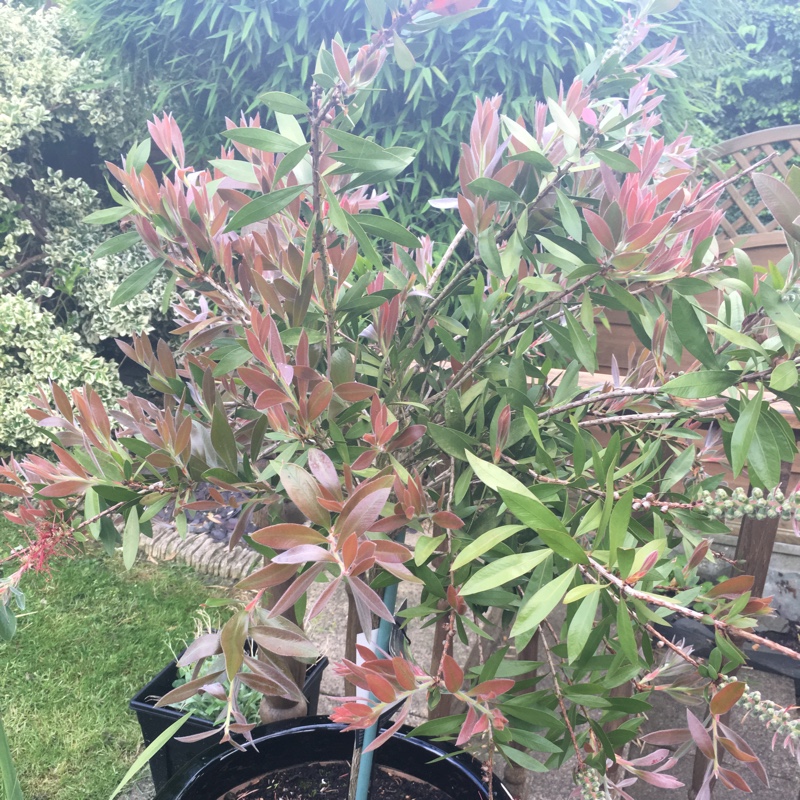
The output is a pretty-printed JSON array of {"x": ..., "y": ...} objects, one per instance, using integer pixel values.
[
  {"x": 591, "y": 399},
  {"x": 560, "y": 697},
  {"x": 448, "y": 254},
  {"x": 624, "y": 418},
  {"x": 443, "y": 294},
  {"x": 690, "y": 613},
  {"x": 475, "y": 361}
]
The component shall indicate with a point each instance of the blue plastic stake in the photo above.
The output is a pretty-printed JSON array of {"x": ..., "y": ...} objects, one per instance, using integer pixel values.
[{"x": 382, "y": 645}]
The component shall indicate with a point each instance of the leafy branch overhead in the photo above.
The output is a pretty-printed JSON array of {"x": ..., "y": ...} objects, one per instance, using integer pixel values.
[{"x": 437, "y": 413}]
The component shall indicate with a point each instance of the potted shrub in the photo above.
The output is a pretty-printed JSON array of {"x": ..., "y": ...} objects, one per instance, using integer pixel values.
[
  {"x": 397, "y": 410},
  {"x": 205, "y": 708}
]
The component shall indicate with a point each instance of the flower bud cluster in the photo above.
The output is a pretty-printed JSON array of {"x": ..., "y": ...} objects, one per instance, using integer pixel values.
[
  {"x": 778, "y": 719},
  {"x": 758, "y": 504},
  {"x": 591, "y": 785}
]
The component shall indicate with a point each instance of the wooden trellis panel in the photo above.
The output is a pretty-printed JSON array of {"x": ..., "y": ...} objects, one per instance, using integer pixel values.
[{"x": 747, "y": 222}]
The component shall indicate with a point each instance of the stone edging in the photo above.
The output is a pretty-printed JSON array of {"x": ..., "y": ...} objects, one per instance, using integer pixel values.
[{"x": 199, "y": 551}]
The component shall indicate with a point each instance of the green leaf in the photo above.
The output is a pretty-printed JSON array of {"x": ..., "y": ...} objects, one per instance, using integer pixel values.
[
  {"x": 495, "y": 477},
  {"x": 386, "y": 228},
  {"x": 744, "y": 430},
  {"x": 137, "y": 156},
  {"x": 783, "y": 377},
  {"x": 738, "y": 338},
  {"x": 536, "y": 608},
  {"x": 566, "y": 122},
  {"x": 403, "y": 56},
  {"x": 263, "y": 207},
  {"x": 453, "y": 414},
  {"x": 11, "y": 787},
  {"x": 335, "y": 213},
  {"x": 130, "y": 538},
  {"x": 91, "y": 508},
  {"x": 533, "y": 741},
  {"x": 361, "y": 155},
  {"x": 137, "y": 282},
  {"x": 704, "y": 383},
  {"x": 372, "y": 256},
  {"x": 581, "y": 591},
  {"x": 238, "y": 170},
  {"x": 764, "y": 456},
  {"x": 530, "y": 511},
  {"x": 494, "y": 190},
  {"x": 581, "y": 625},
  {"x": 452, "y": 442},
  {"x": 525, "y": 760},
  {"x": 222, "y": 439},
  {"x": 616, "y": 161},
  {"x": 290, "y": 161},
  {"x": 116, "y": 245},
  {"x": 625, "y": 633},
  {"x": 618, "y": 524},
  {"x": 266, "y": 141},
  {"x": 231, "y": 359},
  {"x": 570, "y": 219},
  {"x": 106, "y": 215},
  {"x": 581, "y": 343},
  {"x": 487, "y": 249},
  {"x": 503, "y": 571},
  {"x": 540, "y": 285},
  {"x": 8, "y": 622},
  {"x": 425, "y": 546},
  {"x": 678, "y": 468},
  {"x": 283, "y": 103},
  {"x": 539, "y": 161},
  {"x": 484, "y": 543},
  {"x": 691, "y": 332},
  {"x": 149, "y": 752}
]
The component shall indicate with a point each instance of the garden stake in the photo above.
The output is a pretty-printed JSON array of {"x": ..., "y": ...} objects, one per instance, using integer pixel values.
[{"x": 361, "y": 766}]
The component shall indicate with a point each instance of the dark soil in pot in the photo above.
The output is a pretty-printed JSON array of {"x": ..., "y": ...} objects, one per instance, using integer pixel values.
[{"x": 329, "y": 781}]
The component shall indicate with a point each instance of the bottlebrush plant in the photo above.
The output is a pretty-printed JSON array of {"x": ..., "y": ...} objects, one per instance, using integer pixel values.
[{"x": 381, "y": 385}]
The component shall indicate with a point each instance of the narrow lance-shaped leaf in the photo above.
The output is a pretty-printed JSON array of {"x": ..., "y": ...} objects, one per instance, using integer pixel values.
[
  {"x": 536, "y": 608},
  {"x": 744, "y": 430},
  {"x": 263, "y": 207}
]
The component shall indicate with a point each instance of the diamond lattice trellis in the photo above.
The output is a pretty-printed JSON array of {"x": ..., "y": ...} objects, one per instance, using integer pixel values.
[{"x": 745, "y": 213}]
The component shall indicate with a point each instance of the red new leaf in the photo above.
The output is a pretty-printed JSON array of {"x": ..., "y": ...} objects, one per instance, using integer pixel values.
[
  {"x": 407, "y": 437},
  {"x": 733, "y": 587},
  {"x": 302, "y": 554},
  {"x": 446, "y": 519},
  {"x": 381, "y": 688},
  {"x": 490, "y": 689},
  {"x": 364, "y": 506},
  {"x": 323, "y": 469},
  {"x": 353, "y": 392},
  {"x": 286, "y": 535},
  {"x": 452, "y": 673},
  {"x": 700, "y": 735},
  {"x": 319, "y": 400},
  {"x": 726, "y": 698},
  {"x": 303, "y": 491}
]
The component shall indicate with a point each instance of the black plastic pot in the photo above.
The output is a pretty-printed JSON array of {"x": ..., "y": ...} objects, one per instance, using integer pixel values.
[
  {"x": 154, "y": 721},
  {"x": 304, "y": 741}
]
